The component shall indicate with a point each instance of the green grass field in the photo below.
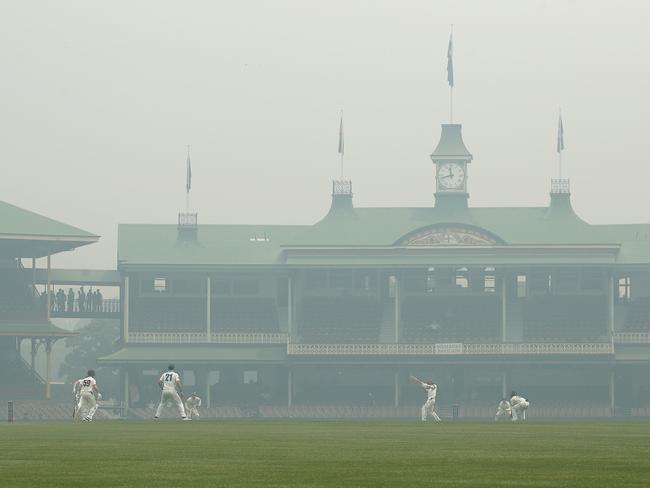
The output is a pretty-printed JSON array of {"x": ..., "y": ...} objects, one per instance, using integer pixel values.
[{"x": 324, "y": 454}]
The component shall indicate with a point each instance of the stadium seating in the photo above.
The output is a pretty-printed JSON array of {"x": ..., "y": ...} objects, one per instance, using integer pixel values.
[
  {"x": 244, "y": 315},
  {"x": 340, "y": 319},
  {"x": 566, "y": 318},
  {"x": 474, "y": 319},
  {"x": 18, "y": 300},
  {"x": 168, "y": 314},
  {"x": 638, "y": 316}
]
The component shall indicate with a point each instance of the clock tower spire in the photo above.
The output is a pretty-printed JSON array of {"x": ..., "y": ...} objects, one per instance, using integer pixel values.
[{"x": 451, "y": 158}]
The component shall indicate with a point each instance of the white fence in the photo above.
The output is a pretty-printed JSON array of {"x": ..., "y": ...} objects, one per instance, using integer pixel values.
[
  {"x": 632, "y": 338},
  {"x": 449, "y": 349},
  {"x": 203, "y": 338}
]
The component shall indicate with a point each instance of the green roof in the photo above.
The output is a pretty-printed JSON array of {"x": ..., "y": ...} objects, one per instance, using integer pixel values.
[
  {"x": 28, "y": 234},
  {"x": 33, "y": 329},
  {"x": 545, "y": 235},
  {"x": 77, "y": 276},
  {"x": 196, "y": 353}
]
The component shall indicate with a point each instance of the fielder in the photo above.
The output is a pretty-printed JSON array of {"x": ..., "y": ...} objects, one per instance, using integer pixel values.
[
  {"x": 87, "y": 395},
  {"x": 428, "y": 409},
  {"x": 192, "y": 405},
  {"x": 170, "y": 384},
  {"x": 519, "y": 405},
  {"x": 504, "y": 410}
]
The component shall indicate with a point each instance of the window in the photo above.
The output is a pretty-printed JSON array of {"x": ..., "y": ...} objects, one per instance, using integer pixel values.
[
  {"x": 250, "y": 377},
  {"x": 490, "y": 283},
  {"x": 160, "y": 285},
  {"x": 392, "y": 286},
  {"x": 521, "y": 286},
  {"x": 624, "y": 289},
  {"x": 430, "y": 280},
  {"x": 461, "y": 280}
]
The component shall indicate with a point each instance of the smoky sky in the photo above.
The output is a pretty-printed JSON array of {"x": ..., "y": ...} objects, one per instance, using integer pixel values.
[{"x": 98, "y": 101}]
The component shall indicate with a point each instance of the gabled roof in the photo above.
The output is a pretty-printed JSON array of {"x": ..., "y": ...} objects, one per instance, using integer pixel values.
[
  {"x": 199, "y": 353},
  {"x": 28, "y": 234},
  {"x": 33, "y": 329},
  {"x": 541, "y": 235}
]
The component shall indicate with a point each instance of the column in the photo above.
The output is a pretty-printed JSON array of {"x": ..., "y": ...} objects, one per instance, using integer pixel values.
[
  {"x": 34, "y": 351},
  {"x": 125, "y": 311},
  {"x": 48, "y": 291},
  {"x": 610, "y": 307},
  {"x": 208, "y": 389},
  {"x": 33, "y": 274},
  {"x": 290, "y": 332},
  {"x": 289, "y": 388},
  {"x": 396, "y": 382},
  {"x": 208, "y": 318},
  {"x": 125, "y": 381},
  {"x": 48, "y": 369},
  {"x": 612, "y": 391},
  {"x": 504, "y": 307},
  {"x": 504, "y": 384},
  {"x": 398, "y": 298}
]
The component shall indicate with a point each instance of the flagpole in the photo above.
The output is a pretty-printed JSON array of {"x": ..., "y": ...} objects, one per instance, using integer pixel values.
[
  {"x": 341, "y": 143},
  {"x": 450, "y": 74},
  {"x": 187, "y": 186},
  {"x": 451, "y": 104}
]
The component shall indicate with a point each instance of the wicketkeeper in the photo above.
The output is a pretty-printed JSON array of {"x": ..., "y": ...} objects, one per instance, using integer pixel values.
[{"x": 504, "y": 410}]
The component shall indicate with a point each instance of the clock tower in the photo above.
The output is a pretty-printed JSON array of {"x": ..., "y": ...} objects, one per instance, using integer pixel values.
[{"x": 452, "y": 159}]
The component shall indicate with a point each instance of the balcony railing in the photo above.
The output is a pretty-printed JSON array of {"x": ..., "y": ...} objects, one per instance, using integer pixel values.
[
  {"x": 632, "y": 338},
  {"x": 203, "y": 338},
  {"x": 76, "y": 308},
  {"x": 448, "y": 349}
]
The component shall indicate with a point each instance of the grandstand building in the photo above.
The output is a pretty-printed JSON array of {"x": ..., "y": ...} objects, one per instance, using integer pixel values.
[
  {"x": 482, "y": 300},
  {"x": 337, "y": 315},
  {"x": 24, "y": 311}
]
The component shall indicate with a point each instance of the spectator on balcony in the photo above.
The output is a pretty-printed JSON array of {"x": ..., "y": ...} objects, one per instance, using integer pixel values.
[
  {"x": 81, "y": 299},
  {"x": 60, "y": 300},
  {"x": 98, "y": 300},
  {"x": 70, "y": 301},
  {"x": 90, "y": 298}
]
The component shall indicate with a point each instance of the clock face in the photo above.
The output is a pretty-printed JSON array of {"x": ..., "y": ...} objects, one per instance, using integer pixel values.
[{"x": 451, "y": 176}]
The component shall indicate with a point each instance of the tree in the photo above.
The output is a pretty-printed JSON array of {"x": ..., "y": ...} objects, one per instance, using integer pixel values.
[{"x": 95, "y": 340}]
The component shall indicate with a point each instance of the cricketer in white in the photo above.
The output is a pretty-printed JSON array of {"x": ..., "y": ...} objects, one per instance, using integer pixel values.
[
  {"x": 192, "y": 405},
  {"x": 428, "y": 409},
  {"x": 170, "y": 384},
  {"x": 519, "y": 406},
  {"x": 87, "y": 394}
]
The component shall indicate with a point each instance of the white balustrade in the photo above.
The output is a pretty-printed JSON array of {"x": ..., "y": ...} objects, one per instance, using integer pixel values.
[
  {"x": 632, "y": 338},
  {"x": 203, "y": 338},
  {"x": 448, "y": 349}
]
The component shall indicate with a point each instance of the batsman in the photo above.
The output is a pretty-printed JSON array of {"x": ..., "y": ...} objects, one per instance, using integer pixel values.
[{"x": 428, "y": 409}]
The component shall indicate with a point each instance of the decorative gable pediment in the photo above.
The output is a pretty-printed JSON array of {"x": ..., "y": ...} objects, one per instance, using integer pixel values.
[{"x": 450, "y": 235}]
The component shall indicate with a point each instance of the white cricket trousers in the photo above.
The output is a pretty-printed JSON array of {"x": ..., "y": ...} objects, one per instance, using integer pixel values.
[
  {"x": 170, "y": 396},
  {"x": 519, "y": 411},
  {"x": 428, "y": 410},
  {"x": 87, "y": 406},
  {"x": 193, "y": 412}
]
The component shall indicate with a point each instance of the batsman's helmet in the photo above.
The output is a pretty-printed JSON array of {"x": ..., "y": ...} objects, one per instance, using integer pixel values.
[
  {"x": 91, "y": 372},
  {"x": 170, "y": 367}
]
